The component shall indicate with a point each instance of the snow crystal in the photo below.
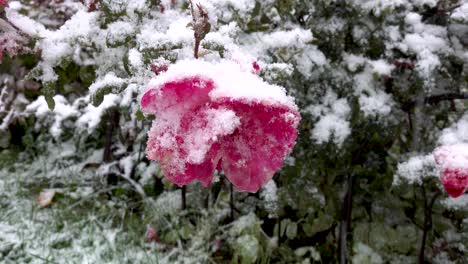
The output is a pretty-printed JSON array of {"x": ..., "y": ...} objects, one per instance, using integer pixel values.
[
  {"x": 306, "y": 60},
  {"x": 176, "y": 32},
  {"x": 459, "y": 203},
  {"x": 461, "y": 13},
  {"x": 167, "y": 203},
  {"x": 280, "y": 39},
  {"x": 353, "y": 61},
  {"x": 25, "y": 24},
  {"x": 372, "y": 101},
  {"x": 377, "y": 103},
  {"x": 270, "y": 197},
  {"x": 382, "y": 67},
  {"x": 425, "y": 41},
  {"x": 365, "y": 254},
  {"x": 62, "y": 111},
  {"x": 230, "y": 82},
  {"x": 452, "y": 156},
  {"x": 333, "y": 122},
  {"x": 119, "y": 31},
  {"x": 458, "y": 133},
  {"x": 378, "y": 6},
  {"x": 91, "y": 117},
  {"x": 135, "y": 58},
  {"x": 416, "y": 168},
  {"x": 110, "y": 80},
  {"x": 39, "y": 106}
]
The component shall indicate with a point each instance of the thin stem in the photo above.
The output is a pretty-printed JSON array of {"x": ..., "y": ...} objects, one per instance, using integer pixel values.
[
  {"x": 231, "y": 201},
  {"x": 427, "y": 223},
  {"x": 346, "y": 219},
  {"x": 196, "y": 48},
  {"x": 184, "y": 201}
]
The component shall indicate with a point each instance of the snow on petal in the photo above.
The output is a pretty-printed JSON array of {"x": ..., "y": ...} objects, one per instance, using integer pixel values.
[
  {"x": 252, "y": 154},
  {"x": 453, "y": 163},
  {"x": 210, "y": 114}
]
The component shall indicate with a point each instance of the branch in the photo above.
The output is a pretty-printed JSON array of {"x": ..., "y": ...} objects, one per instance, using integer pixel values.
[{"x": 434, "y": 99}]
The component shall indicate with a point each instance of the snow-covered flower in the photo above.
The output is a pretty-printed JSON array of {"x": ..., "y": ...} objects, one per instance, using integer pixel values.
[
  {"x": 453, "y": 163},
  {"x": 11, "y": 43},
  {"x": 3, "y": 3},
  {"x": 217, "y": 116},
  {"x": 152, "y": 234}
]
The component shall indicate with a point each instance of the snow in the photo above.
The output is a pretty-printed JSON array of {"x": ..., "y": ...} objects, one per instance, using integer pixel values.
[
  {"x": 109, "y": 80},
  {"x": 175, "y": 33},
  {"x": 353, "y": 61},
  {"x": 281, "y": 39},
  {"x": 119, "y": 31},
  {"x": 426, "y": 41},
  {"x": 91, "y": 117},
  {"x": 452, "y": 156},
  {"x": 461, "y": 13},
  {"x": 135, "y": 58},
  {"x": 269, "y": 195},
  {"x": 333, "y": 122},
  {"x": 458, "y": 203},
  {"x": 372, "y": 101},
  {"x": 25, "y": 24},
  {"x": 365, "y": 254},
  {"x": 235, "y": 85},
  {"x": 62, "y": 111},
  {"x": 415, "y": 169},
  {"x": 457, "y": 133},
  {"x": 382, "y": 67},
  {"x": 220, "y": 122}
]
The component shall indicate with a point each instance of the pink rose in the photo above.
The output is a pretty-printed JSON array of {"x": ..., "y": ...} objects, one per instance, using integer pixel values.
[
  {"x": 453, "y": 163},
  {"x": 212, "y": 116}
]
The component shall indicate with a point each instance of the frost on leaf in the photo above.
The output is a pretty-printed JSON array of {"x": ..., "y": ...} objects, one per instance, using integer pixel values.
[
  {"x": 453, "y": 164},
  {"x": 217, "y": 116}
]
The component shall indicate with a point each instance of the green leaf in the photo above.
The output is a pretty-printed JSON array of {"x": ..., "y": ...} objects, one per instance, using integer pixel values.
[
  {"x": 139, "y": 115},
  {"x": 48, "y": 90},
  {"x": 291, "y": 230},
  {"x": 98, "y": 96}
]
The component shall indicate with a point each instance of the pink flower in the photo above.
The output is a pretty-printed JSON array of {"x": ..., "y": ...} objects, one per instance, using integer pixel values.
[
  {"x": 255, "y": 67},
  {"x": 219, "y": 117},
  {"x": 152, "y": 234},
  {"x": 11, "y": 43},
  {"x": 90, "y": 5},
  {"x": 3, "y": 3},
  {"x": 453, "y": 162},
  {"x": 158, "y": 68}
]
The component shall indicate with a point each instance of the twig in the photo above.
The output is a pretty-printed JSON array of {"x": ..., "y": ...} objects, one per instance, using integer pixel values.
[{"x": 200, "y": 26}]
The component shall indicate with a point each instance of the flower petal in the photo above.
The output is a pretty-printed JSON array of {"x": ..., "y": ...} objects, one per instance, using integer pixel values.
[
  {"x": 455, "y": 181},
  {"x": 188, "y": 150},
  {"x": 267, "y": 134},
  {"x": 177, "y": 96}
]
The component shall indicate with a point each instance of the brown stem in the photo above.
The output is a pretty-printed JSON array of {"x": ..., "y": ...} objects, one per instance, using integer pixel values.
[
  {"x": 231, "y": 201},
  {"x": 112, "y": 123},
  {"x": 427, "y": 223},
  {"x": 345, "y": 225},
  {"x": 184, "y": 200},
  {"x": 196, "y": 48},
  {"x": 279, "y": 231}
]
